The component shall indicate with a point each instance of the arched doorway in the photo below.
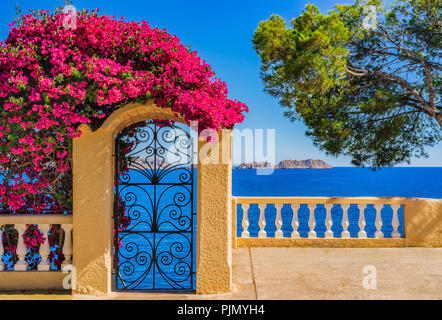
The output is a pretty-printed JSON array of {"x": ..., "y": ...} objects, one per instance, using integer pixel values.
[
  {"x": 93, "y": 204},
  {"x": 155, "y": 208}
]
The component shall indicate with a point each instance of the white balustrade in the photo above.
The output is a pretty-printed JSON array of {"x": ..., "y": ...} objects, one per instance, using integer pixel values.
[
  {"x": 312, "y": 221},
  {"x": 295, "y": 221},
  {"x": 67, "y": 245},
  {"x": 378, "y": 222},
  {"x": 395, "y": 221},
  {"x": 262, "y": 221},
  {"x": 21, "y": 264},
  {"x": 328, "y": 221},
  {"x": 362, "y": 234},
  {"x": 294, "y": 203},
  {"x": 245, "y": 221},
  {"x": 44, "y": 223},
  {"x": 45, "y": 249},
  {"x": 345, "y": 222},
  {"x": 278, "y": 222}
]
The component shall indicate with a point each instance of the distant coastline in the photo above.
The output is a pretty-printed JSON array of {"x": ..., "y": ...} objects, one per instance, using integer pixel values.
[{"x": 287, "y": 164}]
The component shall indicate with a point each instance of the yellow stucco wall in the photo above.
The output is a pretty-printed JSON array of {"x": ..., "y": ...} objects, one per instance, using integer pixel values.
[
  {"x": 93, "y": 169},
  {"x": 214, "y": 232},
  {"x": 321, "y": 242},
  {"x": 423, "y": 222},
  {"x": 32, "y": 280},
  {"x": 92, "y": 211}
]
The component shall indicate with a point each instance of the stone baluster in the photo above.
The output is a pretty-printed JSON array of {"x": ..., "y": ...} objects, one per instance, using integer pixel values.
[
  {"x": 362, "y": 234},
  {"x": 378, "y": 221},
  {"x": 245, "y": 221},
  {"x": 262, "y": 221},
  {"x": 295, "y": 221},
  {"x": 395, "y": 221},
  {"x": 2, "y": 251},
  {"x": 278, "y": 221},
  {"x": 45, "y": 264},
  {"x": 345, "y": 222},
  {"x": 328, "y": 221},
  {"x": 67, "y": 245},
  {"x": 312, "y": 221},
  {"x": 21, "y": 264}
]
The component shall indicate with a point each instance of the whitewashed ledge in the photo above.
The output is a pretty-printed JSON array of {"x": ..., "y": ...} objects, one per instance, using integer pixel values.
[
  {"x": 422, "y": 222},
  {"x": 42, "y": 278},
  {"x": 36, "y": 219}
]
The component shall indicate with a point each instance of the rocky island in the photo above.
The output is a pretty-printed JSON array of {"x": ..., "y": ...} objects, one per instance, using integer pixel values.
[{"x": 288, "y": 164}]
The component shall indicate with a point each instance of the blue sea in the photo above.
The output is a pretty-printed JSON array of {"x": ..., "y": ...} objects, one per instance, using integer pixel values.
[{"x": 341, "y": 182}]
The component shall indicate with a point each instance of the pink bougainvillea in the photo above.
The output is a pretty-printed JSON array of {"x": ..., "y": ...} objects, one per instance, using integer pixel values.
[{"x": 52, "y": 79}]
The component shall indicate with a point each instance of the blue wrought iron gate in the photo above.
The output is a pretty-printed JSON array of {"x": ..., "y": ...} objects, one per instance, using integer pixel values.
[{"x": 154, "y": 214}]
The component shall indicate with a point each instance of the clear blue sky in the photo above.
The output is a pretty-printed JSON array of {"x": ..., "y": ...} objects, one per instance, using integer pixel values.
[{"x": 221, "y": 32}]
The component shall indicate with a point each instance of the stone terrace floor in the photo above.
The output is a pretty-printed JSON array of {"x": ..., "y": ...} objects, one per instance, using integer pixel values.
[{"x": 318, "y": 273}]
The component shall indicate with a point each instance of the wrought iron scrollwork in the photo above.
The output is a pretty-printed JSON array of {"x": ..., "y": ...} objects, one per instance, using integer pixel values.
[{"x": 154, "y": 209}]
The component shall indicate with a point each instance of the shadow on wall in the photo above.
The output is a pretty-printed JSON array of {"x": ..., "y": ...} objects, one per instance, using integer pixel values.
[{"x": 423, "y": 222}]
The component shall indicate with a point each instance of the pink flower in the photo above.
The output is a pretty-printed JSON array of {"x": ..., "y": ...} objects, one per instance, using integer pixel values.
[
  {"x": 35, "y": 96},
  {"x": 18, "y": 150},
  {"x": 61, "y": 155}
]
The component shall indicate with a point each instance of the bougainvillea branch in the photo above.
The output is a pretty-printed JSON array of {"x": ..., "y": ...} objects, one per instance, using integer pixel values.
[{"x": 52, "y": 79}]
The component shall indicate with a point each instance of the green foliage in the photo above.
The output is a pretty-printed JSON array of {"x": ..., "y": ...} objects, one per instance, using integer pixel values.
[{"x": 370, "y": 93}]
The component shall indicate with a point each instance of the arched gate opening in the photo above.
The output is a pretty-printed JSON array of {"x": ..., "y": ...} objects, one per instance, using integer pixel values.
[
  {"x": 94, "y": 157},
  {"x": 155, "y": 208}
]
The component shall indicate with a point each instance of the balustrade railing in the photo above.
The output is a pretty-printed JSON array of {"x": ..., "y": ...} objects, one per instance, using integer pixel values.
[
  {"x": 21, "y": 223},
  {"x": 317, "y": 217}
]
